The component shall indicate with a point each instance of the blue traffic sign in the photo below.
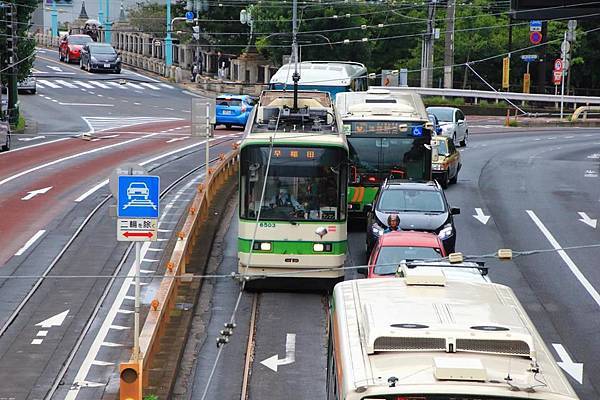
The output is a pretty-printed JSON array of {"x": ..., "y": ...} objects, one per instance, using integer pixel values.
[
  {"x": 189, "y": 15},
  {"x": 535, "y": 25},
  {"x": 138, "y": 196}
]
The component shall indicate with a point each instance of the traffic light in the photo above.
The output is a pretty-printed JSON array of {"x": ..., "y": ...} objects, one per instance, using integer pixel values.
[{"x": 130, "y": 387}]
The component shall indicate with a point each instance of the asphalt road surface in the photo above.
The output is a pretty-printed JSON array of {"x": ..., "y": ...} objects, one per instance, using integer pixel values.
[
  {"x": 533, "y": 184},
  {"x": 52, "y": 188}
]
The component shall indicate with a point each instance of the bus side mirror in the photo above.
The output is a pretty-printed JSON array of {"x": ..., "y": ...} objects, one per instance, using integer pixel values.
[{"x": 454, "y": 210}]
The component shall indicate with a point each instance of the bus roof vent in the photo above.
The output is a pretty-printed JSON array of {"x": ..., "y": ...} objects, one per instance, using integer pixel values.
[
  {"x": 459, "y": 369},
  {"x": 423, "y": 276}
]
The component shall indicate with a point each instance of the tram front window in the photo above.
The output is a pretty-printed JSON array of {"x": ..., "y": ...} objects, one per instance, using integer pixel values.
[{"x": 302, "y": 184}]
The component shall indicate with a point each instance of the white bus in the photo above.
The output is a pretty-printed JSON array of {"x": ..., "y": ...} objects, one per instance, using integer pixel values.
[{"x": 429, "y": 336}]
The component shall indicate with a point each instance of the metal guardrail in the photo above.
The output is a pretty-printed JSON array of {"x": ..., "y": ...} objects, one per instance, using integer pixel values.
[
  {"x": 483, "y": 94},
  {"x": 164, "y": 302}
]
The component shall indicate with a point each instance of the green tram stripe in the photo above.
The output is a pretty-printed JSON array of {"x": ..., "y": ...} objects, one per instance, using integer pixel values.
[{"x": 293, "y": 247}]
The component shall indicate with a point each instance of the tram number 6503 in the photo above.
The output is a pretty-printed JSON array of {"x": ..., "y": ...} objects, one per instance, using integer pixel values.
[{"x": 267, "y": 225}]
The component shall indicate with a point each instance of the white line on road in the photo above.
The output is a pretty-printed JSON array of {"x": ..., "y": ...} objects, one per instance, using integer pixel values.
[
  {"x": 574, "y": 269},
  {"x": 99, "y": 84},
  {"x": 572, "y": 368},
  {"x": 148, "y": 85},
  {"x": 31, "y": 194},
  {"x": 65, "y": 83},
  {"x": 30, "y": 242},
  {"x": 84, "y": 84},
  {"x": 48, "y": 83},
  {"x": 87, "y": 104},
  {"x": 33, "y": 145}
]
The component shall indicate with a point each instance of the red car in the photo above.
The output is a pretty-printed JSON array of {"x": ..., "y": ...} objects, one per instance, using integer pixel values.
[
  {"x": 69, "y": 49},
  {"x": 393, "y": 247}
]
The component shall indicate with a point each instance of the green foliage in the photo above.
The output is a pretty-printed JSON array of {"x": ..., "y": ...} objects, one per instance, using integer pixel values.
[
  {"x": 25, "y": 44},
  {"x": 151, "y": 397},
  {"x": 513, "y": 123},
  {"x": 444, "y": 101}
]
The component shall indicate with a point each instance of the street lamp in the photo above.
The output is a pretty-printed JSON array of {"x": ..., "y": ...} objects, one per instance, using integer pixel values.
[{"x": 246, "y": 19}]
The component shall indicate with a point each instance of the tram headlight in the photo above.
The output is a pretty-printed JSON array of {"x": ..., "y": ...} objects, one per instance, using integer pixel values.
[
  {"x": 322, "y": 247},
  {"x": 262, "y": 246}
]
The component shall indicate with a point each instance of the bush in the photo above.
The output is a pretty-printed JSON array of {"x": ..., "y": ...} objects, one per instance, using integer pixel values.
[
  {"x": 151, "y": 397},
  {"x": 513, "y": 123}
]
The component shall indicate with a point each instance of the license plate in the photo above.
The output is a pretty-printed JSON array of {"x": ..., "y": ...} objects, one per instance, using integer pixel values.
[
  {"x": 227, "y": 112},
  {"x": 106, "y": 65}
]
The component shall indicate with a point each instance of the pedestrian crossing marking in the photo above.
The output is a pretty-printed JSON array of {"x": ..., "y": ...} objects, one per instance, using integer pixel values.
[
  {"x": 99, "y": 84},
  {"x": 99, "y": 124},
  {"x": 65, "y": 83},
  {"x": 48, "y": 83},
  {"x": 149, "y": 86},
  {"x": 84, "y": 84},
  {"x": 134, "y": 85}
]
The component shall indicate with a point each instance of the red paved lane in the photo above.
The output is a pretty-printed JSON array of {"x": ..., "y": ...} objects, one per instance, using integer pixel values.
[{"x": 20, "y": 220}]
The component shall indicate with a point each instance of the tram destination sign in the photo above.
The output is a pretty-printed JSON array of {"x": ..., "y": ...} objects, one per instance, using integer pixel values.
[{"x": 383, "y": 128}]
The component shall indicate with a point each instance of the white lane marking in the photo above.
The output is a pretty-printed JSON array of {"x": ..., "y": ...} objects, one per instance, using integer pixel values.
[
  {"x": 149, "y": 260},
  {"x": 84, "y": 84},
  {"x": 30, "y": 242},
  {"x": 54, "y": 68},
  {"x": 191, "y": 94},
  {"x": 55, "y": 320},
  {"x": 117, "y": 85},
  {"x": 31, "y": 138},
  {"x": 142, "y": 76},
  {"x": 48, "y": 83},
  {"x": 148, "y": 85},
  {"x": 102, "y": 363},
  {"x": 112, "y": 344},
  {"x": 39, "y": 85},
  {"x": 92, "y": 190},
  {"x": 37, "y": 341},
  {"x": 65, "y": 83},
  {"x": 90, "y": 384},
  {"x": 42, "y": 334},
  {"x": 151, "y": 249},
  {"x": 587, "y": 220},
  {"x": 33, "y": 145},
  {"x": 166, "y": 86},
  {"x": 135, "y": 85},
  {"x": 31, "y": 194},
  {"x": 572, "y": 368},
  {"x": 574, "y": 269},
  {"x": 119, "y": 327},
  {"x": 99, "y": 84},
  {"x": 176, "y": 139},
  {"x": 72, "y": 156},
  {"x": 87, "y": 104}
]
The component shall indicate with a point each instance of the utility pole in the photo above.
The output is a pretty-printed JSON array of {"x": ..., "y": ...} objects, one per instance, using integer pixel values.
[
  {"x": 427, "y": 48},
  {"x": 168, "y": 39},
  {"x": 571, "y": 39},
  {"x": 11, "y": 47},
  {"x": 449, "y": 46},
  {"x": 296, "y": 75}
]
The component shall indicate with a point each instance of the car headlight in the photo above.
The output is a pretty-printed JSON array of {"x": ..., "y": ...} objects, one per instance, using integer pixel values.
[
  {"x": 446, "y": 232},
  {"x": 438, "y": 167},
  {"x": 118, "y": 59},
  {"x": 376, "y": 229},
  {"x": 93, "y": 59}
]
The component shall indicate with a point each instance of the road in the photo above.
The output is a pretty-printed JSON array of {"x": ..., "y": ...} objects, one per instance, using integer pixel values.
[
  {"x": 56, "y": 222},
  {"x": 532, "y": 183}
]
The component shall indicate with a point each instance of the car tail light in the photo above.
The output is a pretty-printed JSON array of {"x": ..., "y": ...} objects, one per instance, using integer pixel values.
[
  {"x": 244, "y": 108},
  {"x": 372, "y": 179}
]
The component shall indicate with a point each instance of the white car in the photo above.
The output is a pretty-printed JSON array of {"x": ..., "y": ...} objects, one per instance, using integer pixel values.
[
  {"x": 452, "y": 122},
  {"x": 4, "y": 136}
]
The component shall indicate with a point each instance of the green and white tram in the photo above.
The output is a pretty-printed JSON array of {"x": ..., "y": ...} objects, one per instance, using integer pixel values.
[
  {"x": 292, "y": 188},
  {"x": 389, "y": 135}
]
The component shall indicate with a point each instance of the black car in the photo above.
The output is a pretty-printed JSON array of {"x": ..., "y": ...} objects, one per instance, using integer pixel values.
[
  {"x": 100, "y": 57},
  {"x": 422, "y": 206}
]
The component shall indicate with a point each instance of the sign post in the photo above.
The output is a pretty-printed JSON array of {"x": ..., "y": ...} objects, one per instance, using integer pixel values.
[
  {"x": 505, "y": 72},
  {"x": 137, "y": 212}
]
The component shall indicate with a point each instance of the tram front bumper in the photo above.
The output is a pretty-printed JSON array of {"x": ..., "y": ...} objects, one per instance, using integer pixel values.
[{"x": 292, "y": 265}]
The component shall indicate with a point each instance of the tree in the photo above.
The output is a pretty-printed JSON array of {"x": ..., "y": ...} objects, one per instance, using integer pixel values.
[{"x": 25, "y": 44}]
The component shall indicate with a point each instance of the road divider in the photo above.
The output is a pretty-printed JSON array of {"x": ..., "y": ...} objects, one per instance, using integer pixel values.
[{"x": 175, "y": 273}]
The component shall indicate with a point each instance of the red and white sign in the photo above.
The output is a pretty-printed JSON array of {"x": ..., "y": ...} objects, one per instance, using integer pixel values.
[
  {"x": 137, "y": 230},
  {"x": 557, "y": 77},
  {"x": 535, "y": 37},
  {"x": 558, "y": 64}
]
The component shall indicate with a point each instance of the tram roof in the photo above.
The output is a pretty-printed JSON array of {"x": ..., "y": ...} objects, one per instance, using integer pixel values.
[
  {"x": 396, "y": 328},
  {"x": 320, "y": 73},
  {"x": 382, "y": 104}
]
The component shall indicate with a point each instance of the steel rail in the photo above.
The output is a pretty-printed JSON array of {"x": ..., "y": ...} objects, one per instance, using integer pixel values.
[{"x": 76, "y": 234}]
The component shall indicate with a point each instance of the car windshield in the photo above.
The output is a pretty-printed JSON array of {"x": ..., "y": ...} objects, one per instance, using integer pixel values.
[
  {"x": 102, "y": 50},
  {"x": 302, "y": 183},
  {"x": 80, "y": 40},
  {"x": 442, "y": 147},
  {"x": 411, "y": 200},
  {"x": 229, "y": 102},
  {"x": 442, "y": 114},
  {"x": 390, "y": 256}
]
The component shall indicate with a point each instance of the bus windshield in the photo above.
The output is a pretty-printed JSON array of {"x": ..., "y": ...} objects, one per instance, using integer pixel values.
[
  {"x": 302, "y": 183},
  {"x": 385, "y": 156}
]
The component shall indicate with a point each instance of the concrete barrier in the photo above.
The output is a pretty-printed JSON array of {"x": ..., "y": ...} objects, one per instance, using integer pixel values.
[{"x": 166, "y": 295}]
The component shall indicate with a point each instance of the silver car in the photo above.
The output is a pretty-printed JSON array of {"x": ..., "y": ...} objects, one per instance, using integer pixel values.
[
  {"x": 28, "y": 85},
  {"x": 452, "y": 122},
  {"x": 4, "y": 136}
]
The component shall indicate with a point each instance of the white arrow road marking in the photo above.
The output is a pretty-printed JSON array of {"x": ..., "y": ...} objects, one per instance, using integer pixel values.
[
  {"x": 587, "y": 220},
  {"x": 34, "y": 193},
  {"x": 57, "y": 69},
  {"x": 176, "y": 139},
  {"x": 290, "y": 354},
  {"x": 56, "y": 320},
  {"x": 565, "y": 257},
  {"x": 572, "y": 368},
  {"x": 31, "y": 138},
  {"x": 480, "y": 216}
]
